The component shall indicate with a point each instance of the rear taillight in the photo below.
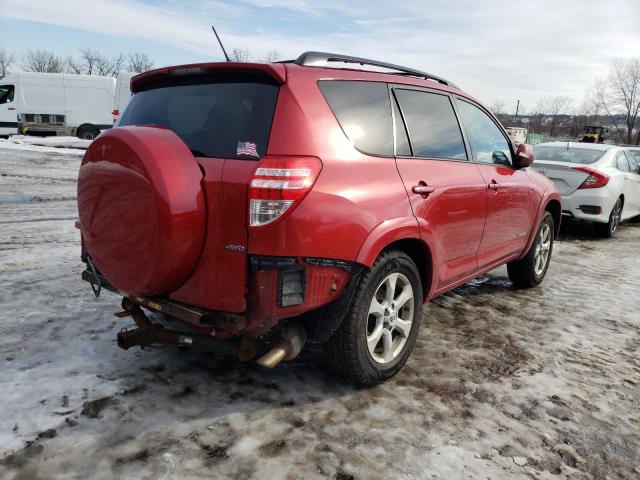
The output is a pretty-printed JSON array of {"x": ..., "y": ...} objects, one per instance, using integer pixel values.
[
  {"x": 115, "y": 116},
  {"x": 594, "y": 180},
  {"x": 278, "y": 184}
]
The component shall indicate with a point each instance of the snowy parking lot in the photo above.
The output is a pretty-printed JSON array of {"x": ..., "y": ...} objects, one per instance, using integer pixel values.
[{"x": 503, "y": 383}]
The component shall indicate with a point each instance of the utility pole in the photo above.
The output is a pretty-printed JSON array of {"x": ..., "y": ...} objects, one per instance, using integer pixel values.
[{"x": 517, "y": 108}]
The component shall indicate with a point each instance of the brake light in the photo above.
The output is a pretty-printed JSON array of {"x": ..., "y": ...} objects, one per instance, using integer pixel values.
[
  {"x": 115, "y": 116},
  {"x": 594, "y": 180},
  {"x": 278, "y": 185}
]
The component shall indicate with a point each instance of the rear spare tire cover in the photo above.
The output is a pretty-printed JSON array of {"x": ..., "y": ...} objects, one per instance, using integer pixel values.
[{"x": 142, "y": 209}]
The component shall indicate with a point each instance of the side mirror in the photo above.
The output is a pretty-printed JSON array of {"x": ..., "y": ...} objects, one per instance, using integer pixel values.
[{"x": 524, "y": 155}]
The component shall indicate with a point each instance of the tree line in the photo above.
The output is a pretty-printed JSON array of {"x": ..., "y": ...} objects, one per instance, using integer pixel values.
[
  {"x": 88, "y": 62},
  {"x": 93, "y": 62},
  {"x": 612, "y": 102}
]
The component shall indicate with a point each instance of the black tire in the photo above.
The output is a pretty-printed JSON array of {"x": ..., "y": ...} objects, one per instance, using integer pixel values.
[
  {"x": 607, "y": 230},
  {"x": 87, "y": 132},
  {"x": 347, "y": 350},
  {"x": 525, "y": 272}
]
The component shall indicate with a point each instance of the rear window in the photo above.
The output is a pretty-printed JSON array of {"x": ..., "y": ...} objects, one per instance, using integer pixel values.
[
  {"x": 571, "y": 155},
  {"x": 363, "y": 110},
  {"x": 228, "y": 120}
]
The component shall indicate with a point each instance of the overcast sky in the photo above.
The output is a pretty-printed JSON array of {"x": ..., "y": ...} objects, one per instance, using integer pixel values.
[{"x": 505, "y": 50}]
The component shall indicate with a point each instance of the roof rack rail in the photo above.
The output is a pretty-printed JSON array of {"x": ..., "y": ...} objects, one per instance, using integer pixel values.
[{"x": 321, "y": 59}]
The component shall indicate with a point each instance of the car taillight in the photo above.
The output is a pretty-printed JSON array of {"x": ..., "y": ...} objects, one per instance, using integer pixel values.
[
  {"x": 115, "y": 116},
  {"x": 594, "y": 180},
  {"x": 278, "y": 184}
]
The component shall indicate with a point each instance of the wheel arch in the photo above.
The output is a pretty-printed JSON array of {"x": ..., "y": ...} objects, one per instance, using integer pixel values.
[
  {"x": 554, "y": 207},
  {"x": 421, "y": 256},
  {"x": 400, "y": 233},
  {"x": 551, "y": 202}
]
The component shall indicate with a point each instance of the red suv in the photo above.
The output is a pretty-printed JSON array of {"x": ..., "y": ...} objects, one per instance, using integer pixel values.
[{"x": 273, "y": 205}]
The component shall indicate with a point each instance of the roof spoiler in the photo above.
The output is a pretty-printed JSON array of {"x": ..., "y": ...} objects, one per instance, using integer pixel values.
[{"x": 274, "y": 72}]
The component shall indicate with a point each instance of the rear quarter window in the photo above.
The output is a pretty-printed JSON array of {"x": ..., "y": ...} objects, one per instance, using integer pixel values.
[
  {"x": 363, "y": 110},
  {"x": 214, "y": 119}
]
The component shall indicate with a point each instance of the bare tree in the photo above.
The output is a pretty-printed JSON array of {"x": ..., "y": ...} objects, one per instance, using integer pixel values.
[
  {"x": 497, "y": 107},
  {"x": 554, "y": 107},
  {"x": 111, "y": 67},
  {"x": 138, "y": 62},
  {"x": 88, "y": 62},
  {"x": 92, "y": 62},
  {"x": 239, "y": 55},
  {"x": 42, "y": 61},
  {"x": 619, "y": 94},
  {"x": 272, "y": 56},
  {"x": 6, "y": 60}
]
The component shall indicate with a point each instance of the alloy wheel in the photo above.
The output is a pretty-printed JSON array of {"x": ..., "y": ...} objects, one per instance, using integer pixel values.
[
  {"x": 542, "y": 251},
  {"x": 615, "y": 216},
  {"x": 390, "y": 318}
]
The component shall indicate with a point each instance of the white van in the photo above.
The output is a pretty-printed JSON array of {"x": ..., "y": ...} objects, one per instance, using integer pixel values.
[
  {"x": 123, "y": 94},
  {"x": 64, "y": 104}
]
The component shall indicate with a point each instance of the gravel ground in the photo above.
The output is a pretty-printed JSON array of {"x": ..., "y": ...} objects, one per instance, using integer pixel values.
[{"x": 503, "y": 383}]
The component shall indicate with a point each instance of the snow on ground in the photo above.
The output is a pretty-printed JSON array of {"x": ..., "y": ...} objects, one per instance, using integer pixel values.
[
  {"x": 503, "y": 383},
  {"x": 63, "y": 145}
]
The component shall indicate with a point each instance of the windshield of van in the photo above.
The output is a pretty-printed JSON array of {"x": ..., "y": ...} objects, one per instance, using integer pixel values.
[
  {"x": 228, "y": 120},
  {"x": 571, "y": 155}
]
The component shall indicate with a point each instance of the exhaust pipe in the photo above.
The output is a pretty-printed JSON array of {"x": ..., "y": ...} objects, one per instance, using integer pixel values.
[{"x": 287, "y": 347}]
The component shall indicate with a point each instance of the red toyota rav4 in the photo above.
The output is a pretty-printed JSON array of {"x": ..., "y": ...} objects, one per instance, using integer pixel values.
[{"x": 273, "y": 205}]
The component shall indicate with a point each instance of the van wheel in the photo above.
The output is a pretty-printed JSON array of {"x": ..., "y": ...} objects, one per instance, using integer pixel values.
[
  {"x": 606, "y": 230},
  {"x": 88, "y": 132},
  {"x": 378, "y": 332},
  {"x": 530, "y": 270}
]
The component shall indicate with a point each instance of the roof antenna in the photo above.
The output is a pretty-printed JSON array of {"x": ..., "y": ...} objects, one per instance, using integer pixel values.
[{"x": 221, "y": 46}]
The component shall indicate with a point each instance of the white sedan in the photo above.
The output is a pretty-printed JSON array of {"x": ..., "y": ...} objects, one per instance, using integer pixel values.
[{"x": 599, "y": 183}]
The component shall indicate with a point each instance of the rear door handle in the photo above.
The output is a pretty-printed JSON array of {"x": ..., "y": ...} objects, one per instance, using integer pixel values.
[
  {"x": 494, "y": 185},
  {"x": 11, "y": 108},
  {"x": 422, "y": 189}
]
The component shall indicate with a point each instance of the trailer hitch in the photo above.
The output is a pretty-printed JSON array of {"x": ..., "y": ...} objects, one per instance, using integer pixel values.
[{"x": 149, "y": 334}]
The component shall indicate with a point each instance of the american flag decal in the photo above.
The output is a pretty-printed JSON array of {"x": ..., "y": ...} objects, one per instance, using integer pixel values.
[{"x": 247, "y": 148}]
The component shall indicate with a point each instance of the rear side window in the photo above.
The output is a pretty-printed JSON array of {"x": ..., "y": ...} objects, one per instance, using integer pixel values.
[
  {"x": 621, "y": 162},
  {"x": 635, "y": 167},
  {"x": 433, "y": 128},
  {"x": 363, "y": 111},
  {"x": 635, "y": 154},
  {"x": 228, "y": 120}
]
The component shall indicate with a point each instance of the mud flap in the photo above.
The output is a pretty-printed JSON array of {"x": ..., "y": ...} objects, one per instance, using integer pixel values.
[{"x": 324, "y": 322}]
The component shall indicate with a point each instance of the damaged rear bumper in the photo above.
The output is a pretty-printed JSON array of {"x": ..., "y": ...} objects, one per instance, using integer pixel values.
[{"x": 316, "y": 290}]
